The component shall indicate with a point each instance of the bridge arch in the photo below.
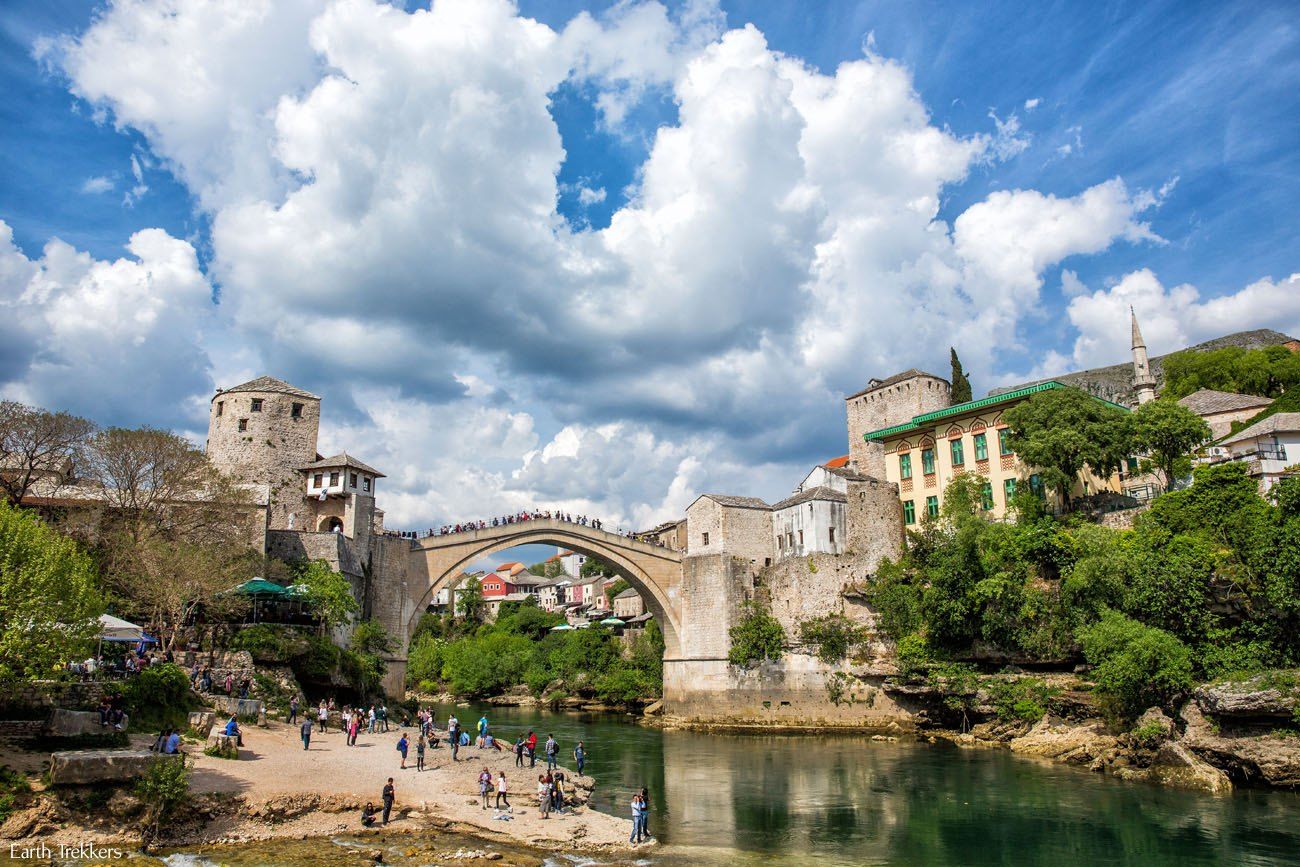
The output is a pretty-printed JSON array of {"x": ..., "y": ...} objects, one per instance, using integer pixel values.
[{"x": 654, "y": 572}]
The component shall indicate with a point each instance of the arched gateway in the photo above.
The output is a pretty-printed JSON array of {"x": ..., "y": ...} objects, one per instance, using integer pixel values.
[{"x": 654, "y": 572}]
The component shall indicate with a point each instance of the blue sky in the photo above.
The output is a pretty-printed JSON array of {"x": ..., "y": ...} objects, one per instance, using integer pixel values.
[{"x": 513, "y": 324}]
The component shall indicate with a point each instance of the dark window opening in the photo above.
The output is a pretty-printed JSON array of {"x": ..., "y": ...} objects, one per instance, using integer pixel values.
[
  {"x": 257, "y": 404},
  {"x": 243, "y": 424},
  {"x": 296, "y": 410}
]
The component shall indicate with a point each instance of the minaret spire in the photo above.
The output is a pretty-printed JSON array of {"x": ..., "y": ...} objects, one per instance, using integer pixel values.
[{"x": 1144, "y": 384}]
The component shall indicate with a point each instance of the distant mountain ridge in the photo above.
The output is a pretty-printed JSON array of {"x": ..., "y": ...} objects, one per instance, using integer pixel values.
[{"x": 1115, "y": 383}]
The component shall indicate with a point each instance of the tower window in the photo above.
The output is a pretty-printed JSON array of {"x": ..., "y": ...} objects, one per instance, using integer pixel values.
[
  {"x": 295, "y": 411},
  {"x": 801, "y": 538},
  {"x": 221, "y": 407},
  {"x": 318, "y": 480},
  {"x": 257, "y": 404},
  {"x": 832, "y": 532},
  {"x": 352, "y": 479},
  {"x": 365, "y": 483},
  {"x": 706, "y": 538},
  {"x": 334, "y": 480},
  {"x": 243, "y": 424}
]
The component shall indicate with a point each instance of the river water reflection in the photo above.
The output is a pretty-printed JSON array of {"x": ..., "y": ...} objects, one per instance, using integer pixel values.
[{"x": 842, "y": 799}]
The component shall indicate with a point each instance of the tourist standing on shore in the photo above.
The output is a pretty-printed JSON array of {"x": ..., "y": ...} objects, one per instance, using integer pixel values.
[
  {"x": 519, "y": 751},
  {"x": 484, "y": 785},
  {"x": 645, "y": 813},
  {"x": 531, "y": 743},
  {"x": 370, "y": 719},
  {"x": 390, "y": 795},
  {"x": 322, "y": 716},
  {"x": 544, "y": 795},
  {"x": 419, "y": 753},
  {"x": 383, "y": 717},
  {"x": 552, "y": 753},
  {"x": 305, "y": 731},
  {"x": 354, "y": 729},
  {"x": 580, "y": 757},
  {"x": 635, "y": 836},
  {"x": 293, "y": 710},
  {"x": 453, "y": 735},
  {"x": 402, "y": 746},
  {"x": 501, "y": 790}
]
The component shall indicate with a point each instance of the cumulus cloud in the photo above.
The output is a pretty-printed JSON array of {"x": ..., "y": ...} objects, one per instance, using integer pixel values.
[
  {"x": 116, "y": 340},
  {"x": 382, "y": 189},
  {"x": 1176, "y": 316}
]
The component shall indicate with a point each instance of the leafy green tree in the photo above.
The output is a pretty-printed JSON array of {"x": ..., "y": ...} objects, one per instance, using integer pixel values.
[
  {"x": 425, "y": 659},
  {"x": 49, "y": 598},
  {"x": 487, "y": 665},
  {"x": 624, "y": 684},
  {"x": 1136, "y": 666},
  {"x": 327, "y": 592},
  {"x": 757, "y": 636},
  {"x": 1167, "y": 432},
  {"x": 832, "y": 636},
  {"x": 961, "y": 392},
  {"x": 547, "y": 568},
  {"x": 1062, "y": 431},
  {"x": 469, "y": 600},
  {"x": 616, "y": 588},
  {"x": 1268, "y": 372},
  {"x": 593, "y": 567}
]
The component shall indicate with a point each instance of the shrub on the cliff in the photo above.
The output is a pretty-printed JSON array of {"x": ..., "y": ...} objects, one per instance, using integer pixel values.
[
  {"x": 756, "y": 637},
  {"x": 831, "y": 636},
  {"x": 487, "y": 665},
  {"x": 623, "y": 685},
  {"x": 1136, "y": 666},
  {"x": 164, "y": 787},
  {"x": 1024, "y": 698},
  {"x": 158, "y": 696}
]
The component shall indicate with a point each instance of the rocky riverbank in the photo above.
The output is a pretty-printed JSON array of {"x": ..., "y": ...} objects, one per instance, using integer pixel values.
[
  {"x": 278, "y": 790},
  {"x": 1236, "y": 733}
]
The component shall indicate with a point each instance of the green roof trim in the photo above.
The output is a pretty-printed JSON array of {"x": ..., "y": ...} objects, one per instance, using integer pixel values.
[{"x": 919, "y": 421}]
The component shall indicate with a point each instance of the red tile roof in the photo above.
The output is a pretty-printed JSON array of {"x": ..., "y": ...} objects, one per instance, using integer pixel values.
[{"x": 836, "y": 463}]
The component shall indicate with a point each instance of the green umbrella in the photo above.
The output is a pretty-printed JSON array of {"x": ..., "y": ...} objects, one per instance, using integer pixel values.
[
  {"x": 261, "y": 587},
  {"x": 561, "y": 627},
  {"x": 611, "y": 621}
]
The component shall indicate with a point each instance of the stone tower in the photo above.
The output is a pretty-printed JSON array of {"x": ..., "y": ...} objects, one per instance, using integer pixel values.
[
  {"x": 1144, "y": 384},
  {"x": 885, "y": 403},
  {"x": 262, "y": 432}
]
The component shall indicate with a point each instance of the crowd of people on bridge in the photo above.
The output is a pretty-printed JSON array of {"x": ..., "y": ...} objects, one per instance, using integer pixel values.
[{"x": 520, "y": 518}]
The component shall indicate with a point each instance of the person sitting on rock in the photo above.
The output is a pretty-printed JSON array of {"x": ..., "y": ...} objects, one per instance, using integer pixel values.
[
  {"x": 232, "y": 731},
  {"x": 368, "y": 815}
]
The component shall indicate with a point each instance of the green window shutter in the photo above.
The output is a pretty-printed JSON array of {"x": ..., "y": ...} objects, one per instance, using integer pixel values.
[
  {"x": 1009, "y": 489},
  {"x": 932, "y": 506},
  {"x": 958, "y": 456},
  {"x": 927, "y": 461},
  {"x": 1004, "y": 442},
  {"x": 909, "y": 512},
  {"x": 905, "y": 466},
  {"x": 981, "y": 447},
  {"x": 986, "y": 496},
  {"x": 1036, "y": 486}
]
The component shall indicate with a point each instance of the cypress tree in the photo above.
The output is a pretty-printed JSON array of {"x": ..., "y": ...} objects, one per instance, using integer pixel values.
[{"x": 960, "y": 384}]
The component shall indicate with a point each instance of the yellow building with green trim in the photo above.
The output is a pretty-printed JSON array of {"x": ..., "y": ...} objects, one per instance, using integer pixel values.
[{"x": 922, "y": 455}]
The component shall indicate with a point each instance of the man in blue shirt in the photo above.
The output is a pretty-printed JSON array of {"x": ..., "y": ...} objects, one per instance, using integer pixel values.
[{"x": 232, "y": 731}]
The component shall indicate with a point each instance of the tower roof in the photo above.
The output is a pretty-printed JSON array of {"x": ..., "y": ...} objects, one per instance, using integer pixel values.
[
  {"x": 342, "y": 459},
  {"x": 1137, "y": 333},
  {"x": 268, "y": 384},
  {"x": 910, "y": 373}
]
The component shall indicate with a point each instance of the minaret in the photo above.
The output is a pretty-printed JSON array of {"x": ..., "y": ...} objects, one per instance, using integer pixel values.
[{"x": 1144, "y": 384}]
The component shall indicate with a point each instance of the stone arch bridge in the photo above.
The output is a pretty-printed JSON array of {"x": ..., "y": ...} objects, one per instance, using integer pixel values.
[{"x": 654, "y": 572}]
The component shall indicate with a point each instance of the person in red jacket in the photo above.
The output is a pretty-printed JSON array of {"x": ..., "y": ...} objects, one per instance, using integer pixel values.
[{"x": 531, "y": 743}]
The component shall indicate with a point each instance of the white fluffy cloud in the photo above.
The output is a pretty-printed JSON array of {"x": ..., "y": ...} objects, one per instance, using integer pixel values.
[
  {"x": 119, "y": 340},
  {"x": 382, "y": 189},
  {"x": 1176, "y": 316}
]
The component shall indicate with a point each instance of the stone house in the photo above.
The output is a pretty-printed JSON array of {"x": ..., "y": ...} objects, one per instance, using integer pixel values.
[
  {"x": 628, "y": 604},
  {"x": 1219, "y": 409},
  {"x": 735, "y": 526},
  {"x": 1267, "y": 448}
]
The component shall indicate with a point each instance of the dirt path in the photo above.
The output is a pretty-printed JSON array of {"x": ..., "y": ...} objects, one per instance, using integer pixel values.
[{"x": 272, "y": 763}]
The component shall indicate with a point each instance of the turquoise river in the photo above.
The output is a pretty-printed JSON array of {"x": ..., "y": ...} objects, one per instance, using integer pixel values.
[{"x": 841, "y": 799}]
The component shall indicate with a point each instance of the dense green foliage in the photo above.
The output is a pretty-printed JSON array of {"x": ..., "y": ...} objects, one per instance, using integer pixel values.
[
  {"x": 831, "y": 636},
  {"x": 315, "y": 659},
  {"x": 327, "y": 592},
  {"x": 1267, "y": 372},
  {"x": 961, "y": 392},
  {"x": 1167, "y": 432},
  {"x": 520, "y": 647},
  {"x": 756, "y": 637},
  {"x": 1063, "y": 431},
  {"x": 1136, "y": 666},
  {"x": 49, "y": 598},
  {"x": 13, "y": 786},
  {"x": 468, "y": 600},
  {"x": 1213, "y": 570},
  {"x": 158, "y": 696}
]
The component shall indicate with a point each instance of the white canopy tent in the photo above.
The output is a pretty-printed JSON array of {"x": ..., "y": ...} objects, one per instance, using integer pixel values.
[{"x": 116, "y": 629}]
